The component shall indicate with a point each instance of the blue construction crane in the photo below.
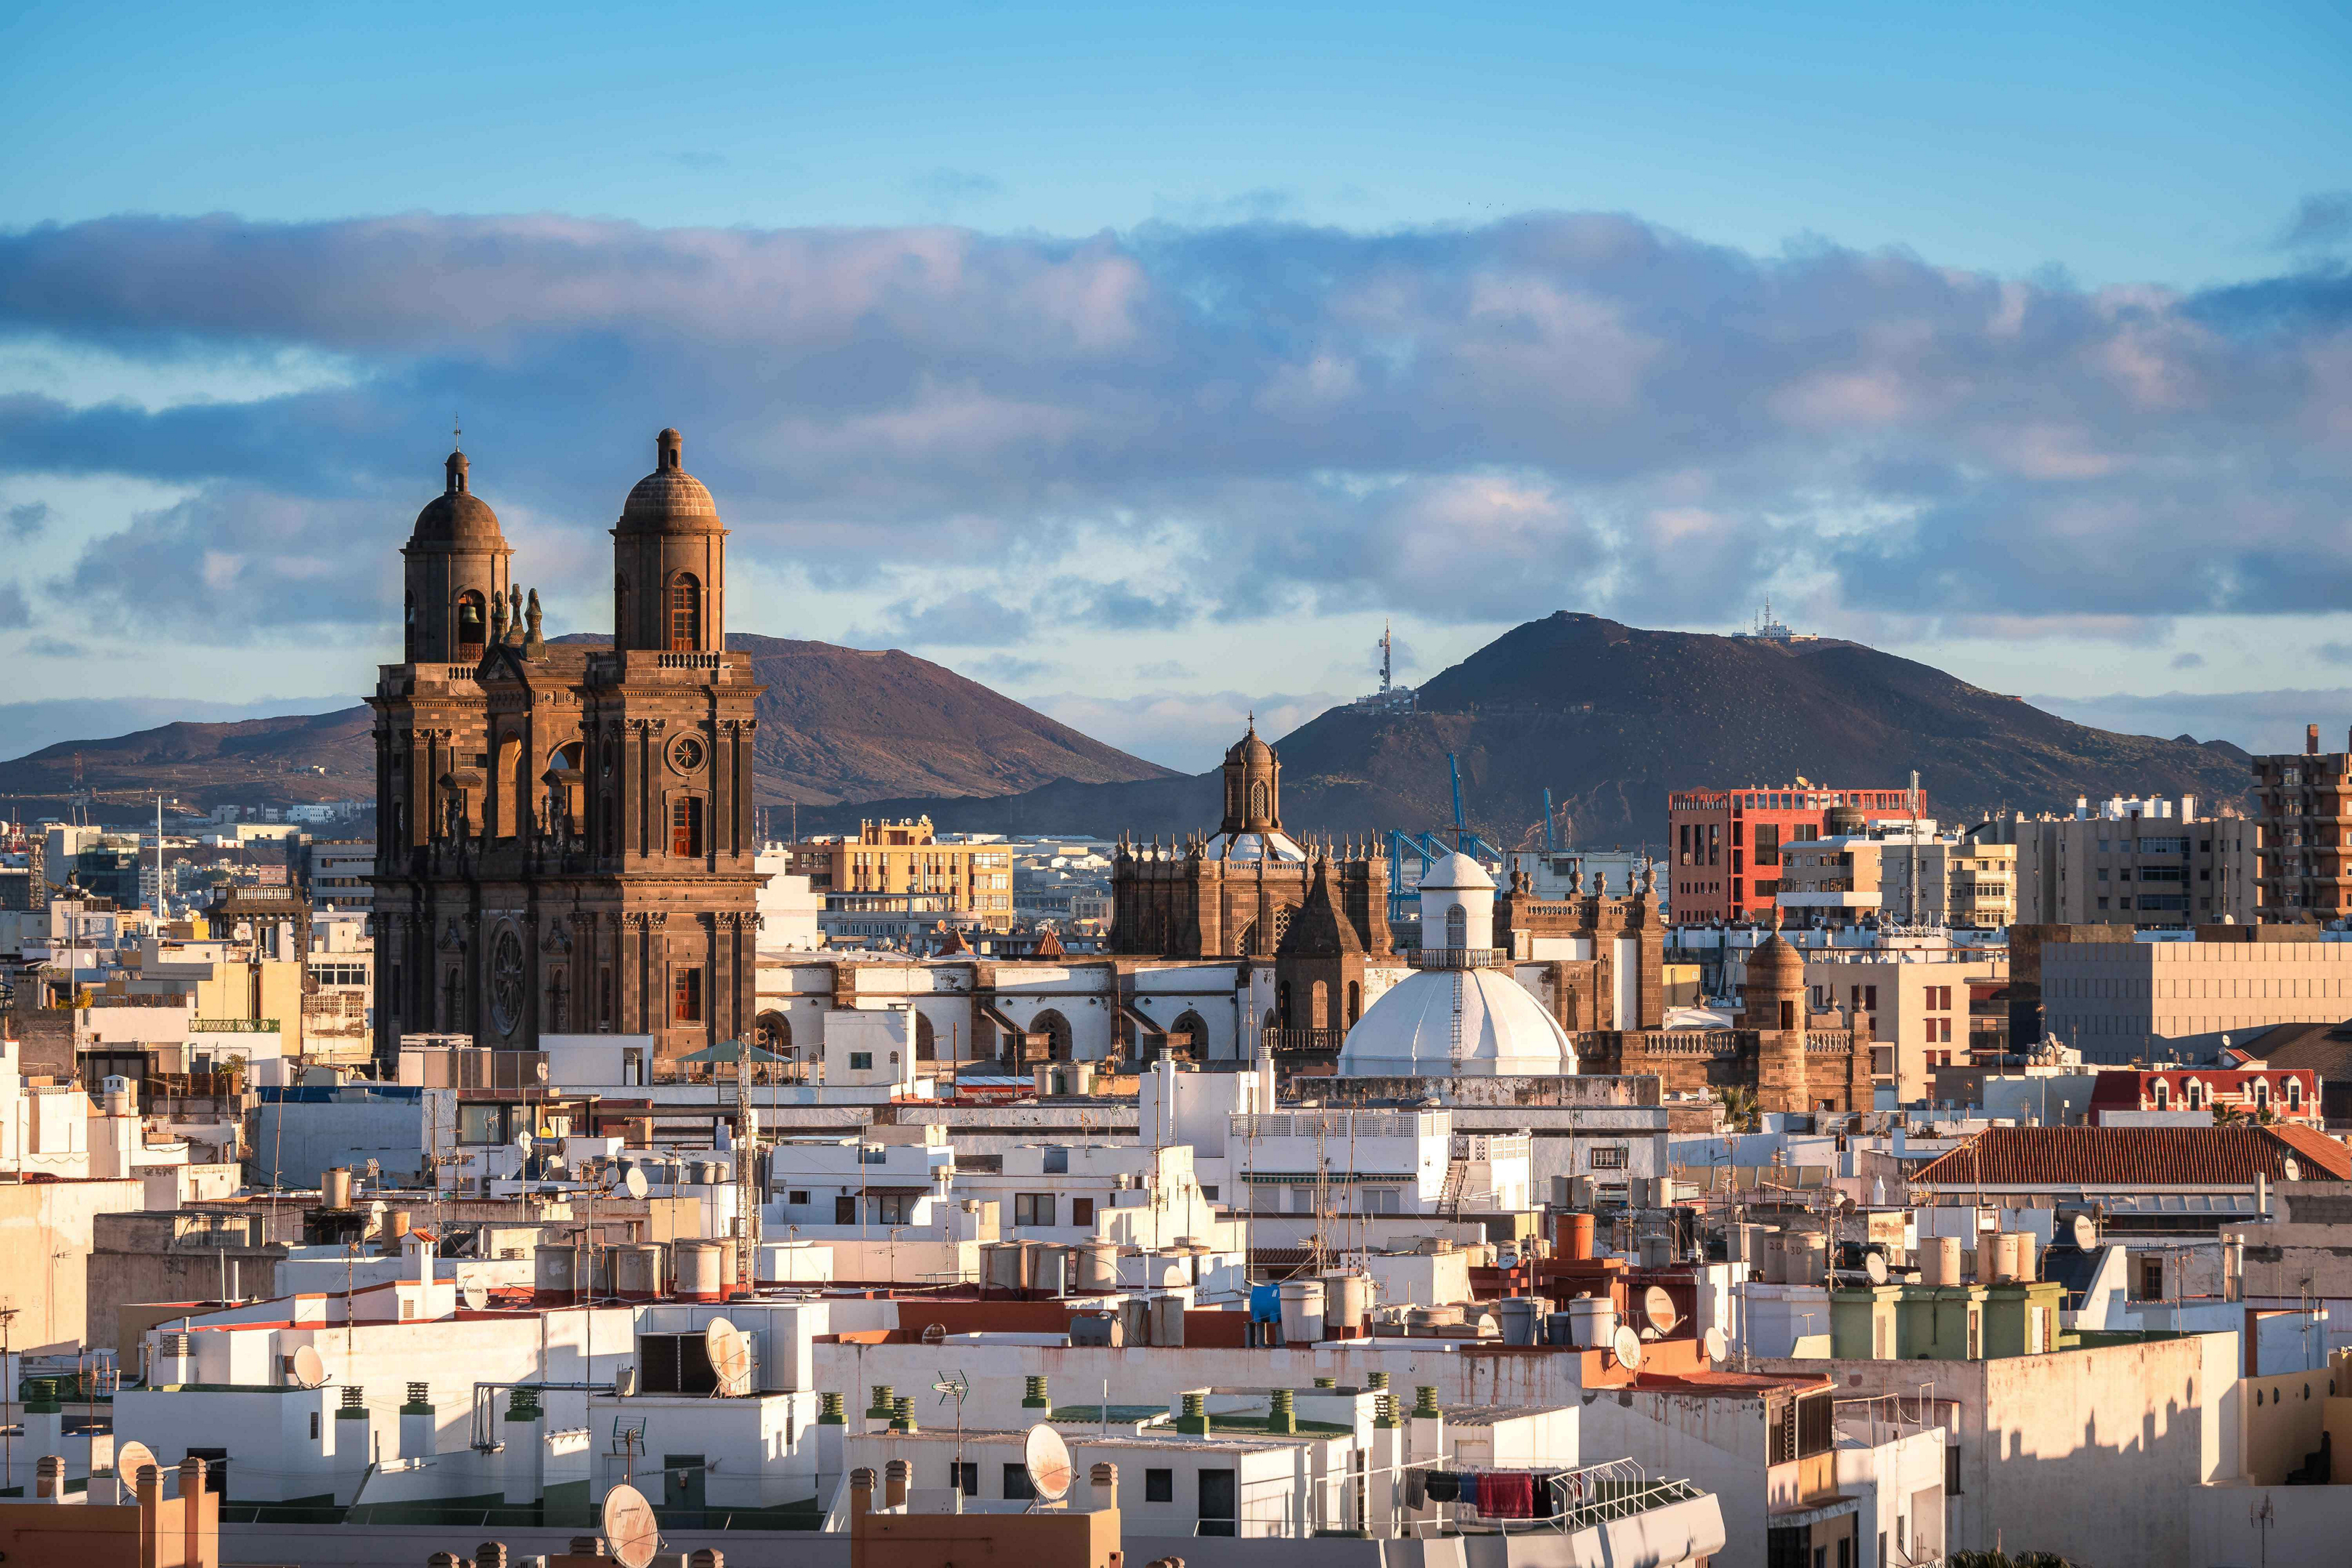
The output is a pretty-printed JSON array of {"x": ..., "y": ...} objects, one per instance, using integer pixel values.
[{"x": 1425, "y": 849}]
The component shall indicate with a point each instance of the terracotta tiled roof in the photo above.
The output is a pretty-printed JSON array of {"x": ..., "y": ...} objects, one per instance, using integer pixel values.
[{"x": 2136, "y": 1156}]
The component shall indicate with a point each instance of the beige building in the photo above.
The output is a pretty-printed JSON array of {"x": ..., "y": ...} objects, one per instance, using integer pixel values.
[
  {"x": 2144, "y": 861},
  {"x": 899, "y": 868},
  {"x": 1915, "y": 1004},
  {"x": 1830, "y": 881},
  {"x": 1962, "y": 882},
  {"x": 2123, "y": 1001}
]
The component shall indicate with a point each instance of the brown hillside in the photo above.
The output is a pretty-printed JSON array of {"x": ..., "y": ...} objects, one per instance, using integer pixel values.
[{"x": 835, "y": 724}]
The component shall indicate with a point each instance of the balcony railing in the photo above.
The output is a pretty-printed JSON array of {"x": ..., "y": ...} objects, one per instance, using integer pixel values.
[
  {"x": 1304, "y": 1039},
  {"x": 233, "y": 1025},
  {"x": 1458, "y": 957}
]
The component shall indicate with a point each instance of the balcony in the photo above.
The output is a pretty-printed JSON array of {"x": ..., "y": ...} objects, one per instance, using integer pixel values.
[
  {"x": 1281, "y": 1041},
  {"x": 1458, "y": 957}
]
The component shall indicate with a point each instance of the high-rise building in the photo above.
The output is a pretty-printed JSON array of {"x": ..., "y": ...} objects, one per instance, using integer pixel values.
[
  {"x": 2145, "y": 861},
  {"x": 564, "y": 830},
  {"x": 1726, "y": 844},
  {"x": 2301, "y": 805}
]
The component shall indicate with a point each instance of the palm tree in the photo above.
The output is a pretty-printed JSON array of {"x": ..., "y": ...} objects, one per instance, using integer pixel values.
[
  {"x": 2227, "y": 1115},
  {"x": 1739, "y": 1108}
]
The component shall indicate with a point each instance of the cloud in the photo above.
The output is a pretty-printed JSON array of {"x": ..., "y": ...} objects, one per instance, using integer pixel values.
[
  {"x": 947, "y": 187},
  {"x": 967, "y": 619},
  {"x": 1164, "y": 670},
  {"x": 1003, "y": 669},
  {"x": 2189, "y": 661},
  {"x": 237, "y": 564},
  {"x": 2261, "y": 721},
  {"x": 2334, "y": 653},
  {"x": 13, "y": 610},
  {"x": 2321, "y": 222},
  {"x": 26, "y": 521},
  {"x": 1479, "y": 424}
]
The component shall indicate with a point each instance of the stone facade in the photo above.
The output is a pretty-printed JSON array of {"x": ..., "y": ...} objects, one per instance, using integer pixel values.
[
  {"x": 1249, "y": 891},
  {"x": 1790, "y": 1057},
  {"x": 565, "y": 836}
]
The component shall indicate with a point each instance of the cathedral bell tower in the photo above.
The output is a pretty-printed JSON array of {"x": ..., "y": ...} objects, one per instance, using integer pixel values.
[
  {"x": 455, "y": 567},
  {"x": 1252, "y": 785},
  {"x": 669, "y": 561}
]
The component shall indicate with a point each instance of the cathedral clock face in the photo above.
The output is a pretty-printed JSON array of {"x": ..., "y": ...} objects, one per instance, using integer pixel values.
[
  {"x": 687, "y": 754},
  {"x": 506, "y": 981}
]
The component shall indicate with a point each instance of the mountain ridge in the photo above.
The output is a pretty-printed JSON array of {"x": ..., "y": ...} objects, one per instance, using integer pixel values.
[{"x": 837, "y": 724}]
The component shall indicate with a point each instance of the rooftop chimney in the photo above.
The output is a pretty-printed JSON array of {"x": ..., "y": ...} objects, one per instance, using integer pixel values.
[{"x": 2311, "y": 739}]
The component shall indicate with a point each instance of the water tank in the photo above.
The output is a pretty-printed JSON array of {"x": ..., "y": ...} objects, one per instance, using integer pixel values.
[
  {"x": 1808, "y": 1260},
  {"x": 701, "y": 1271},
  {"x": 1657, "y": 1251},
  {"x": 2024, "y": 1263},
  {"x": 1302, "y": 1311},
  {"x": 1592, "y": 1321},
  {"x": 1049, "y": 1267},
  {"x": 1560, "y": 1328},
  {"x": 335, "y": 1188},
  {"x": 556, "y": 1271},
  {"x": 1518, "y": 1318},
  {"x": 999, "y": 1265},
  {"x": 1575, "y": 1234},
  {"x": 1776, "y": 1259},
  {"x": 1347, "y": 1296},
  {"x": 1168, "y": 1318},
  {"x": 637, "y": 1272},
  {"x": 1097, "y": 1266},
  {"x": 1939, "y": 1260}
]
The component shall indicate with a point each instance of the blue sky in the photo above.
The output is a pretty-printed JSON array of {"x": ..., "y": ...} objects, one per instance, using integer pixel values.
[{"x": 1121, "y": 359}]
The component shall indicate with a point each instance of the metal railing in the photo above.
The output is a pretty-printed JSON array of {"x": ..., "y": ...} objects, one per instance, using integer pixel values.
[{"x": 1456, "y": 957}]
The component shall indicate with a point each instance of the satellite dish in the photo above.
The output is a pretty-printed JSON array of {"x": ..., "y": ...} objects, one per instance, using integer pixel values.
[
  {"x": 522, "y": 1141},
  {"x": 731, "y": 1357},
  {"x": 634, "y": 1182},
  {"x": 306, "y": 1370},
  {"x": 1627, "y": 1344},
  {"x": 1658, "y": 1309},
  {"x": 631, "y": 1532},
  {"x": 131, "y": 1457},
  {"x": 538, "y": 1070},
  {"x": 476, "y": 1298},
  {"x": 1717, "y": 1347},
  {"x": 1048, "y": 1462},
  {"x": 2086, "y": 1232},
  {"x": 1874, "y": 1265},
  {"x": 2291, "y": 1169}
]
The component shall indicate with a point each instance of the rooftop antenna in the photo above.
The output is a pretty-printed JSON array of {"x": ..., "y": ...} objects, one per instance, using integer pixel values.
[
  {"x": 457, "y": 434},
  {"x": 1549, "y": 847},
  {"x": 1387, "y": 651}
]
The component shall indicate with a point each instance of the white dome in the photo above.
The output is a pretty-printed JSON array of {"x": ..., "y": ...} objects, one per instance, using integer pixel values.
[
  {"x": 1457, "y": 871},
  {"x": 1251, "y": 846},
  {"x": 1409, "y": 1031}
]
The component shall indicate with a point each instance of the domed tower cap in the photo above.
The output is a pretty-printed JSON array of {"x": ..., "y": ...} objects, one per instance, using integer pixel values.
[
  {"x": 458, "y": 516},
  {"x": 1844, "y": 822},
  {"x": 669, "y": 499},
  {"x": 1776, "y": 965}
]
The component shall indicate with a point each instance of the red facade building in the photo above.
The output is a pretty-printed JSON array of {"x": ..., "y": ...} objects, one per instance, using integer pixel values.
[
  {"x": 1726, "y": 843},
  {"x": 2290, "y": 1094}
]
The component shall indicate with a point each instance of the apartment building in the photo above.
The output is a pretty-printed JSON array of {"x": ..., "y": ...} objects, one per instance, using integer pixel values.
[
  {"x": 1727, "y": 843},
  {"x": 901, "y": 869},
  {"x": 2302, "y": 805},
  {"x": 1960, "y": 882},
  {"x": 1916, "y": 1006},
  {"x": 2145, "y": 861}
]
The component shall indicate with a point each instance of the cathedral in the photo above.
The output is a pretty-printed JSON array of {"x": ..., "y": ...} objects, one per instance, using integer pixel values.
[
  {"x": 1250, "y": 891},
  {"x": 564, "y": 830}
]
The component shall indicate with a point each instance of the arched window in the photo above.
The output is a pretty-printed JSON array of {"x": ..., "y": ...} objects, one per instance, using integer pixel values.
[
  {"x": 1321, "y": 1003},
  {"x": 2262, "y": 1094},
  {"x": 685, "y": 613},
  {"x": 2196, "y": 1095},
  {"x": 927, "y": 1043},
  {"x": 1457, "y": 927},
  {"x": 1190, "y": 1033},
  {"x": 1056, "y": 1030},
  {"x": 2294, "y": 1094},
  {"x": 1355, "y": 1001},
  {"x": 471, "y": 627},
  {"x": 1282, "y": 1004},
  {"x": 2163, "y": 1095},
  {"x": 1257, "y": 801}
]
